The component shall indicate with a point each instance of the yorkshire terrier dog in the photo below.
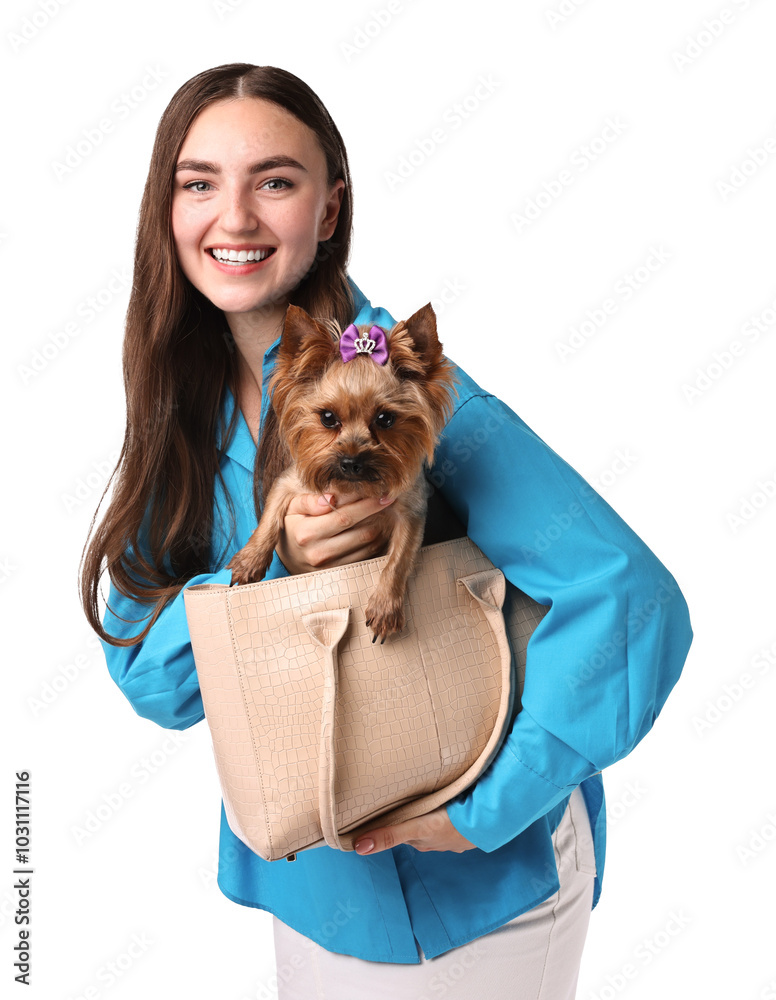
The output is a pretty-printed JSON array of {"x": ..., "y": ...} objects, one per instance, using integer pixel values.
[{"x": 359, "y": 411}]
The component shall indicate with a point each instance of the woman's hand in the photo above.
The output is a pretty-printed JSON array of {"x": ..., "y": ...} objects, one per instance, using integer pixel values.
[
  {"x": 319, "y": 533},
  {"x": 432, "y": 832}
]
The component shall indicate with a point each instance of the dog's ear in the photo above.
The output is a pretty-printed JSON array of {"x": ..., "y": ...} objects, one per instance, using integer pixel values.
[
  {"x": 416, "y": 355},
  {"x": 306, "y": 346},
  {"x": 422, "y": 327},
  {"x": 414, "y": 347}
]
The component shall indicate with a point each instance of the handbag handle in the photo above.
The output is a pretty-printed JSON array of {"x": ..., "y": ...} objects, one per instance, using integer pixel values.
[{"x": 326, "y": 628}]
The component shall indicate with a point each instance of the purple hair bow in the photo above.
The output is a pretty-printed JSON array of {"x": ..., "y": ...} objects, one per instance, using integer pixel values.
[{"x": 373, "y": 343}]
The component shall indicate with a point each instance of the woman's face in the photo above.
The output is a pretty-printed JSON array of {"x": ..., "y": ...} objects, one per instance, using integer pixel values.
[{"x": 251, "y": 181}]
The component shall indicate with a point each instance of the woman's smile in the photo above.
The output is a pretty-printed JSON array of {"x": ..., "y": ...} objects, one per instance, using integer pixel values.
[{"x": 240, "y": 260}]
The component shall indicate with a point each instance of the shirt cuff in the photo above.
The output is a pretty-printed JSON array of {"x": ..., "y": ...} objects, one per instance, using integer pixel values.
[{"x": 510, "y": 794}]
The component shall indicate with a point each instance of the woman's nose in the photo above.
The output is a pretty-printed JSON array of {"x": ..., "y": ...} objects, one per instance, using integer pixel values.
[{"x": 239, "y": 212}]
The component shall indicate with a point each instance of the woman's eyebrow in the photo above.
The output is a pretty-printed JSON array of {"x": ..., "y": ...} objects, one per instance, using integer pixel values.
[{"x": 271, "y": 163}]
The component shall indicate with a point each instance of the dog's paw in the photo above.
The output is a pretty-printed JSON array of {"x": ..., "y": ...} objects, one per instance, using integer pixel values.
[
  {"x": 246, "y": 568},
  {"x": 384, "y": 617}
]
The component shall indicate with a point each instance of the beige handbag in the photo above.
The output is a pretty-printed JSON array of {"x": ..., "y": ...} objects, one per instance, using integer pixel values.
[{"x": 319, "y": 733}]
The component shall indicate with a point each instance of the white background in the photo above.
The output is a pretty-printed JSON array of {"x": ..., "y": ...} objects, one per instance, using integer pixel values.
[{"x": 691, "y": 800}]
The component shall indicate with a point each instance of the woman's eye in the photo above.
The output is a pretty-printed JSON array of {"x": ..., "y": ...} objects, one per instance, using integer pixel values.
[
  {"x": 195, "y": 186},
  {"x": 385, "y": 420},
  {"x": 328, "y": 419},
  {"x": 277, "y": 181}
]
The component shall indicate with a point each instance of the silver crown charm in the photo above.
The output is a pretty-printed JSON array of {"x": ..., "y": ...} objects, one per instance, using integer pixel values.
[{"x": 365, "y": 345}]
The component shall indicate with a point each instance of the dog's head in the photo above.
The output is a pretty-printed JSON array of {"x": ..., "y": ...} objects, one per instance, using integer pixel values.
[{"x": 349, "y": 413}]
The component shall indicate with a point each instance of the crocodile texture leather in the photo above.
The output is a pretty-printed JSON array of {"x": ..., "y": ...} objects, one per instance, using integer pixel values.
[{"x": 319, "y": 733}]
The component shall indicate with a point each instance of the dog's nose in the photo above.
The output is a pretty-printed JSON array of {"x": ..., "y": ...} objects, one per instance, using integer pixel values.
[{"x": 353, "y": 465}]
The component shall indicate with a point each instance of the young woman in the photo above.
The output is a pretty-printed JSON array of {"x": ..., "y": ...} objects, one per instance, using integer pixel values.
[{"x": 247, "y": 208}]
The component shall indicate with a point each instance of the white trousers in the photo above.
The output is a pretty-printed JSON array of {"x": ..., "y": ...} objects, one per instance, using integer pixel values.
[{"x": 535, "y": 956}]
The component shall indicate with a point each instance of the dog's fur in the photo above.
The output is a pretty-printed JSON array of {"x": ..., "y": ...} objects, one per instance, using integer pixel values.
[{"x": 415, "y": 386}]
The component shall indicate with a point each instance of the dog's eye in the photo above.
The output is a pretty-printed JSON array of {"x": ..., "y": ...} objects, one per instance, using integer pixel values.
[
  {"x": 328, "y": 419},
  {"x": 384, "y": 420}
]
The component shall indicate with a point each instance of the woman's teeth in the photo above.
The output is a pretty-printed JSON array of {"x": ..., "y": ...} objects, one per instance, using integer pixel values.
[{"x": 240, "y": 256}]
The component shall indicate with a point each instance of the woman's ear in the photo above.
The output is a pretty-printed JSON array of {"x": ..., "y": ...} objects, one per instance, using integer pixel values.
[{"x": 333, "y": 205}]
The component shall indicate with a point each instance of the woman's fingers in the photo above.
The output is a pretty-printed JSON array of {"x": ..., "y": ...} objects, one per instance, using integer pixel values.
[
  {"x": 310, "y": 504},
  {"x": 320, "y": 535},
  {"x": 345, "y": 534},
  {"x": 313, "y": 504},
  {"x": 433, "y": 831}
]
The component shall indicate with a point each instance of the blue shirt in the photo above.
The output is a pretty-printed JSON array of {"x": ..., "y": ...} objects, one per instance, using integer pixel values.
[{"x": 599, "y": 668}]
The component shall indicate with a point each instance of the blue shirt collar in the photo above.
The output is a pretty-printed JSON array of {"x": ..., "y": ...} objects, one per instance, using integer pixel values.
[{"x": 242, "y": 448}]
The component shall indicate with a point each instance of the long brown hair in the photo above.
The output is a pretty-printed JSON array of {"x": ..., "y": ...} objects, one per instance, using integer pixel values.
[{"x": 178, "y": 357}]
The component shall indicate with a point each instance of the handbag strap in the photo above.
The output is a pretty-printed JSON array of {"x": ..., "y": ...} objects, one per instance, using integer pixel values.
[
  {"x": 326, "y": 629},
  {"x": 488, "y": 588}
]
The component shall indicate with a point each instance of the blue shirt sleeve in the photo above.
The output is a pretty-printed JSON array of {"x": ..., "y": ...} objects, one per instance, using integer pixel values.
[
  {"x": 157, "y": 675},
  {"x": 604, "y": 658}
]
